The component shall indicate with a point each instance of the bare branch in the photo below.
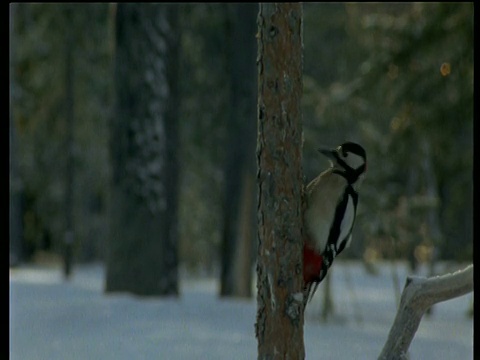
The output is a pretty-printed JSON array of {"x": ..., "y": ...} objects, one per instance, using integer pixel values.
[{"x": 418, "y": 295}]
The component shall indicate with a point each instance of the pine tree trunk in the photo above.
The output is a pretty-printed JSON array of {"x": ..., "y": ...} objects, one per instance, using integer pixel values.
[
  {"x": 240, "y": 163},
  {"x": 142, "y": 251},
  {"x": 279, "y": 327}
]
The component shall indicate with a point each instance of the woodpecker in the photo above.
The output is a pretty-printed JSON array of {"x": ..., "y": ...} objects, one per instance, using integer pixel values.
[{"x": 331, "y": 206}]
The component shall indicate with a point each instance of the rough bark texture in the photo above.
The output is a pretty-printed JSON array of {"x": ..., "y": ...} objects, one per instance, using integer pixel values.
[
  {"x": 418, "y": 295},
  {"x": 142, "y": 251},
  {"x": 239, "y": 169},
  {"x": 279, "y": 327}
]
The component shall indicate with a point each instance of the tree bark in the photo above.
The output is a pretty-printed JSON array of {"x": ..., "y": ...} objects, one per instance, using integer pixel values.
[
  {"x": 418, "y": 295},
  {"x": 142, "y": 253},
  {"x": 279, "y": 326},
  {"x": 240, "y": 163}
]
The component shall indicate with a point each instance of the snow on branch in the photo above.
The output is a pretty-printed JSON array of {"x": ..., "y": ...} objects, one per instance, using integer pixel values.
[{"x": 418, "y": 295}]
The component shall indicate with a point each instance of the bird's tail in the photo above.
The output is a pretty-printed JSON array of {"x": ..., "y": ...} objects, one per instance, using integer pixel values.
[{"x": 311, "y": 287}]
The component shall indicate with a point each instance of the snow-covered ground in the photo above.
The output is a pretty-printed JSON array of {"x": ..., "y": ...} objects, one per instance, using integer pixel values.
[{"x": 52, "y": 319}]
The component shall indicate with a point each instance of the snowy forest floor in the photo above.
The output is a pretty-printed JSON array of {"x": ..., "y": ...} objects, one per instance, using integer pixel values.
[{"x": 53, "y": 319}]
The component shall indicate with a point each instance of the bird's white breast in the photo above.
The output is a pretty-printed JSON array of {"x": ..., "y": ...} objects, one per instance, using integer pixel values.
[{"x": 323, "y": 195}]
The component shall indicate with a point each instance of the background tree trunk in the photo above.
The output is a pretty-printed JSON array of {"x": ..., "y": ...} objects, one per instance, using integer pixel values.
[
  {"x": 279, "y": 327},
  {"x": 16, "y": 188},
  {"x": 142, "y": 251},
  {"x": 69, "y": 235},
  {"x": 239, "y": 169}
]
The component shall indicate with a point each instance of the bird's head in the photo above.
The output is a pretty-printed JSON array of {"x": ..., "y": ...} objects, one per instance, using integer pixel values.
[{"x": 349, "y": 158}]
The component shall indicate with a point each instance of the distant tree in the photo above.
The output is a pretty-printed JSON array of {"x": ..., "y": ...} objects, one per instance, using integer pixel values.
[
  {"x": 239, "y": 169},
  {"x": 205, "y": 89},
  {"x": 39, "y": 116},
  {"x": 16, "y": 191},
  {"x": 39, "y": 123},
  {"x": 279, "y": 326},
  {"x": 69, "y": 79},
  {"x": 142, "y": 249}
]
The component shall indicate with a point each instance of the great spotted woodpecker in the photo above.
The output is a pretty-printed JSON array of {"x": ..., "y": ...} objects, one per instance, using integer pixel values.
[{"x": 331, "y": 205}]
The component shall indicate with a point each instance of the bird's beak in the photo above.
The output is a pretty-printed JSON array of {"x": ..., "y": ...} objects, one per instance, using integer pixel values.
[{"x": 328, "y": 153}]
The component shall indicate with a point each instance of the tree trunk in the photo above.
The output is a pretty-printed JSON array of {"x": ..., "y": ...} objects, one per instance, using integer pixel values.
[
  {"x": 69, "y": 145},
  {"x": 142, "y": 253},
  {"x": 279, "y": 327},
  {"x": 246, "y": 232},
  {"x": 239, "y": 168},
  {"x": 16, "y": 188}
]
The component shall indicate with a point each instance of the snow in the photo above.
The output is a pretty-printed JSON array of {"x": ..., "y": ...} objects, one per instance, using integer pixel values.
[{"x": 54, "y": 319}]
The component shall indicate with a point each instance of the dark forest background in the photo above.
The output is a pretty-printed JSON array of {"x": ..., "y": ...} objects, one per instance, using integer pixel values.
[{"x": 397, "y": 78}]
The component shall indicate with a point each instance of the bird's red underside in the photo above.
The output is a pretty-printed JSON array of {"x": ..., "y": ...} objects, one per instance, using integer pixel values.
[{"x": 312, "y": 263}]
